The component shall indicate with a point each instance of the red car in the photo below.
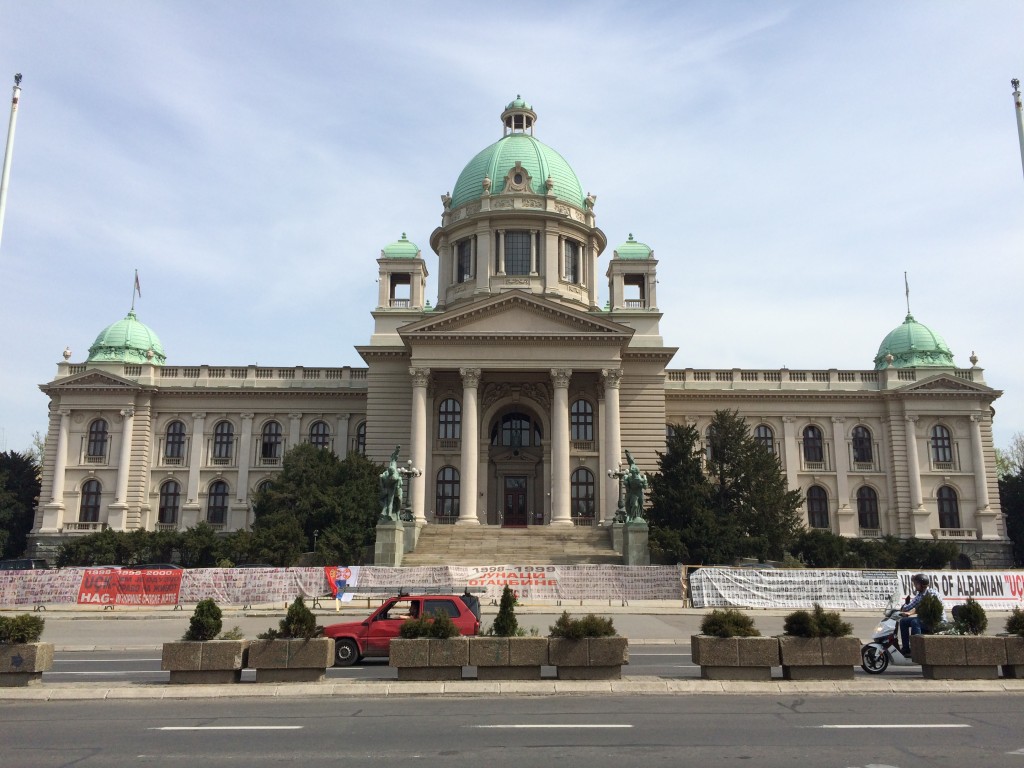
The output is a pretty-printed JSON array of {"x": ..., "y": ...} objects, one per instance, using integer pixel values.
[{"x": 372, "y": 636}]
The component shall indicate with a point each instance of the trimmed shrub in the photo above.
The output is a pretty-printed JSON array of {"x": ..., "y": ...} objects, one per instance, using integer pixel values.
[
  {"x": 24, "y": 628},
  {"x": 819, "y": 623},
  {"x": 437, "y": 626},
  {"x": 970, "y": 618},
  {"x": 1015, "y": 622},
  {"x": 728, "y": 622},
  {"x": 929, "y": 611},
  {"x": 205, "y": 623},
  {"x": 586, "y": 626},
  {"x": 298, "y": 623},
  {"x": 505, "y": 623}
]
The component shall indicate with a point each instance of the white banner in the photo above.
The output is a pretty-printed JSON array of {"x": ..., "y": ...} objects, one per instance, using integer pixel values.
[
  {"x": 993, "y": 590},
  {"x": 790, "y": 588}
]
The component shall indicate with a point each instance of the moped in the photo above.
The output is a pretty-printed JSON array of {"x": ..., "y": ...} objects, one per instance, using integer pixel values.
[{"x": 883, "y": 649}]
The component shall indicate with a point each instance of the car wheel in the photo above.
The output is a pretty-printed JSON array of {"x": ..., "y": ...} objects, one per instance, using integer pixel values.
[{"x": 346, "y": 653}]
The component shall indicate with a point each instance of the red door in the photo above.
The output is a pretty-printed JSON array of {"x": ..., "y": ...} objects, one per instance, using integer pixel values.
[{"x": 515, "y": 502}]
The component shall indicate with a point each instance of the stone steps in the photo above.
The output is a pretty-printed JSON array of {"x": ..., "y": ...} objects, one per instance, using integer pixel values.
[{"x": 487, "y": 545}]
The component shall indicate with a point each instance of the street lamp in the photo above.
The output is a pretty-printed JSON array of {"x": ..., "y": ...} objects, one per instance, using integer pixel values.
[
  {"x": 316, "y": 535},
  {"x": 620, "y": 510}
]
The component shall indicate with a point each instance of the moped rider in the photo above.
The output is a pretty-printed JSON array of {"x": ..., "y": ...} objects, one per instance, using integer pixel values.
[{"x": 910, "y": 623}]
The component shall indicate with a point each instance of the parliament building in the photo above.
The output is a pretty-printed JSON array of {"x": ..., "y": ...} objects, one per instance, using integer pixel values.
[{"x": 517, "y": 392}]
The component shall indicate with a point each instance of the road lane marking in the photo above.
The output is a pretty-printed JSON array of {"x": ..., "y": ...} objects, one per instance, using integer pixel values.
[
  {"x": 101, "y": 661},
  {"x": 554, "y": 725},
  {"x": 227, "y": 728},
  {"x": 896, "y": 725}
]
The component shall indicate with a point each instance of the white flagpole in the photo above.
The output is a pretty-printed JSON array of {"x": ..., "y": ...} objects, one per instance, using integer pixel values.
[
  {"x": 1020, "y": 117},
  {"x": 9, "y": 152}
]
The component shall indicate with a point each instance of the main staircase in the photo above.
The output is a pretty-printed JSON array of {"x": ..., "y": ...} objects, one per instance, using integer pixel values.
[{"x": 491, "y": 545}]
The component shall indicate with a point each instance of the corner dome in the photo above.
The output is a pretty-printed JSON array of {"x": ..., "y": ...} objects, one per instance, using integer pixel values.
[
  {"x": 518, "y": 148},
  {"x": 913, "y": 345},
  {"x": 127, "y": 341},
  {"x": 401, "y": 249},
  {"x": 633, "y": 249}
]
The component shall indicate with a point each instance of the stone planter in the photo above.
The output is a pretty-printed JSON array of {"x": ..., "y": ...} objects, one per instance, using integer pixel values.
[
  {"x": 429, "y": 658},
  {"x": 735, "y": 658},
  {"x": 508, "y": 658},
  {"x": 818, "y": 658},
  {"x": 959, "y": 657},
  {"x": 212, "y": 661},
  {"x": 590, "y": 658},
  {"x": 24, "y": 663},
  {"x": 291, "y": 661},
  {"x": 1014, "y": 666}
]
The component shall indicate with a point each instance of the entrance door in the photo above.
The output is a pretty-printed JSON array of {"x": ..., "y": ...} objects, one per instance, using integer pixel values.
[{"x": 515, "y": 502}]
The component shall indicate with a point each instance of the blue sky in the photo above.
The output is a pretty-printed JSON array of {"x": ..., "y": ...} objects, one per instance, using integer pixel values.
[{"x": 787, "y": 161}]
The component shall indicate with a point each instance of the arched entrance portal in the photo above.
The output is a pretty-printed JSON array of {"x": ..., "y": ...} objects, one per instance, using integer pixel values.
[{"x": 516, "y": 463}]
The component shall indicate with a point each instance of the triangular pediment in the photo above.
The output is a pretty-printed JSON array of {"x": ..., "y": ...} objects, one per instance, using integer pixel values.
[
  {"x": 517, "y": 315},
  {"x": 93, "y": 379},
  {"x": 948, "y": 384}
]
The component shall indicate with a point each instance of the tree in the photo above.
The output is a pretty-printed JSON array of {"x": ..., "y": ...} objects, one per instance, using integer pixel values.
[
  {"x": 1010, "y": 460},
  {"x": 1011, "y": 498},
  {"x": 749, "y": 489},
  {"x": 19, "y": 492},
  {"x": 315, "y": 491}
]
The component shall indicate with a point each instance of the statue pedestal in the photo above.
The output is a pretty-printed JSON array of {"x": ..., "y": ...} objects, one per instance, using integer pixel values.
[
  {"x": 616, "y": 529},
  {"x": 636, "y": 549},
  {"x": 412, "y": 534},
  {"x": 390, "y": 544}
]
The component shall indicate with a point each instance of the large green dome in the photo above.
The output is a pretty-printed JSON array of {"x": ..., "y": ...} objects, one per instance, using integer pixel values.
[
  {"x": 127, "y": 341},
  {"x": 913, "y": 345},
  {"x": 536, "y": 158}
]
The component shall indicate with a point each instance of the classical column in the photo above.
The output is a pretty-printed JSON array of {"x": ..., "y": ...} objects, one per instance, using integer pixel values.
[
  {"x": 534, "y": 266},
  {"x": 294, "y": 430},
  {"x": 501, "y": 251},
  {"x": 919, "y": 516},
  {"x": 791, "y": 451},
  {"x": 561, "y": 513},
  {"x": 125, "y": 460},
  {"x": 561, "y": 257},
  {"x": 341, "y": 435},
  {"x": 244, "y": 457},
  {"x": 195, "y": 460},
  {"x": 470, "y": 448},
  {"x": 612, "y": 377},
  {"x": 847, "y": 525},
  {"x": 984, "y": 515},
  {"x": 53, "y": 511},
  {"x": 418, "y": 439}
]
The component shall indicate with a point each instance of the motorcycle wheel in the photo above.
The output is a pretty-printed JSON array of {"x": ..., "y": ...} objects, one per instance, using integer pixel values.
[{"x": 873, "y": 661}]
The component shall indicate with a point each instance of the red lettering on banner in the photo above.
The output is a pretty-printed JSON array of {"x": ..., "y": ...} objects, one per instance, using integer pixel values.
[{"x": 130, "y": 587}]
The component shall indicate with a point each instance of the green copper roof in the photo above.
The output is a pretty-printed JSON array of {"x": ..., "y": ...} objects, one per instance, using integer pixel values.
[
  {"x": 538, "y": 159},
  {"x": 633, "y": 249},
  {"x": 127, "y": 341},
  {"x": 913, "y": 345},
  {"x": 401, "y": 249}
]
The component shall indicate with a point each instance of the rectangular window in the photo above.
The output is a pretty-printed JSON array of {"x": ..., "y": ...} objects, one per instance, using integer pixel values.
[
  {"x": 464, "y": 259},
  {"x": 572, "y": 262},
  {"x": 517, "y": 253}
]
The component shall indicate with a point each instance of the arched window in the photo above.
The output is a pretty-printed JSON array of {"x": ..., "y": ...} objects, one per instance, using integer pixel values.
[
  {"x": 170, "y": 500},
  {"x": 264, "y": 485},
  {"x": 89, "y": 510},
  {"x": 817, "y": 507},
  {"x": 949, "y": 508},
  {"x": 223, "y": 442},
  {"x": 174, "y": 443},
  {"x": 320, "y": 434},
  {"x": 583, "y": 502},
  {"x": 447, "y": 493},
  {"x": 449, "y": 420},
  {"x": 867, "y": 507},
  {"x": 514, "y": 431},
  {"x": 360, "y": 446},
  {"x": 581, "y": 420},
  {"x": 942, "y": 445},
  {"x": 270, "y": 443},
  {"x": 863, "y": 450},
  {"x": 217, "y": 504},
  {"x": 765, "y": 436},
  {"x": 96, "y": 448},
  {"x": 814, "y": 445}
]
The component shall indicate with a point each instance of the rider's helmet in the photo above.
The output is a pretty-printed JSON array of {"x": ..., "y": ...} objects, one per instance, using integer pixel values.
[{"x": 920, "y": 578}]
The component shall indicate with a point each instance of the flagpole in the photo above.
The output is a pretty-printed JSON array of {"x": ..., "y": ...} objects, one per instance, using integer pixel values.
[
  {"x": 1020, "y": 117},
  {"x": 136, "y": 289},
  {"x": 9, "y": 151}
]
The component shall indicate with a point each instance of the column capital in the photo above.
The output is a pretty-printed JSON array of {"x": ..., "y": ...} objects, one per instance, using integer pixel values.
[
  {"x": 912, "y": 419},
  {"x": 789, "y": 419},
  {"x": 127, "y": 412},
  {"x": 344, "y": 416},
  {"x": 980, "y": 418},
  {"x": 247, "y": 416},
  {"x": 420, "y": 376},
  {"x": 470, "y": 377},
  {"x": 64, "y": 412},
  {"x": 612, "y": 377},
  {"x": 560, "y": 377},
  {"x": 199, "y": 415},
  {"x": 838, "y": 419}
]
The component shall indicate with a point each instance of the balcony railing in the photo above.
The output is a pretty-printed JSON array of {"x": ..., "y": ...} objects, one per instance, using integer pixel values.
[
  {"x": 954, "y": 533},
  {"x": 584, "y": 522},
  {"x": 449, "y": 443},
  {"x": 445, "y": 519},
  {"x": 941, "y": 464},
  {"x": 819, "y": 462},
  {"x": 223, "y": 454},
  {"x": 84, "y": 527},
  {"x": 867, "y": 463},
  {"x": 871, "y": 533}
]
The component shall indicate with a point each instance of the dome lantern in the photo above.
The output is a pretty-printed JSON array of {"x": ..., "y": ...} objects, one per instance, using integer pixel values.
[{"x": 518, "y": 117}]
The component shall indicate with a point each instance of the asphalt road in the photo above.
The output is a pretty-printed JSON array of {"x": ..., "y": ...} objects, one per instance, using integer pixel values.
[{"x": 529, "y": 732}]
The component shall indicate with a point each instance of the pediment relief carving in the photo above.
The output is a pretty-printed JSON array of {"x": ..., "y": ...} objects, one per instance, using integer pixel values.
[
  {"x": 94, "y": 379},
  {"x": 947, "y": 384}
]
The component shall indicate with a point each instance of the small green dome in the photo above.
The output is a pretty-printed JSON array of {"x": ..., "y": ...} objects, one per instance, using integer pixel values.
[
  {"x": 127, "y": 341},
  {"x": 401, "y": 249},
  {"x": 913, "y": 345},
  {"x": 633, "y": 249},
  {"x": 537, "y": 159}
]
